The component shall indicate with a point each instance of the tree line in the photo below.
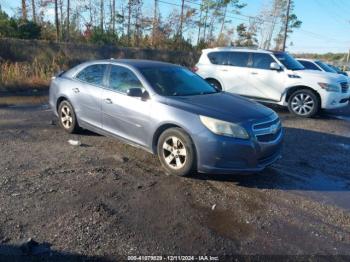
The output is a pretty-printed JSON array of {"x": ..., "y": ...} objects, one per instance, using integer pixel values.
[{"x": 188, "y": 25}]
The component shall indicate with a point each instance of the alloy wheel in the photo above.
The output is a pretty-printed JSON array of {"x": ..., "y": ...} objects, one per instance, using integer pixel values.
[
  {"x": 174, "y": 152},
  {"x": 302, "y": 104},
  {"x": 66, "y": 117}
]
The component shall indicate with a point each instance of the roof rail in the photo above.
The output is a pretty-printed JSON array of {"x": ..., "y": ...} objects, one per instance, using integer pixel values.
[{"x": 237, "y": 47}]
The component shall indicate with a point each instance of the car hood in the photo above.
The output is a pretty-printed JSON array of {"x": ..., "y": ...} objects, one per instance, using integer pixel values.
[
  {"x": 223, "y": 106},
  {"x": 324, "y": 76}
]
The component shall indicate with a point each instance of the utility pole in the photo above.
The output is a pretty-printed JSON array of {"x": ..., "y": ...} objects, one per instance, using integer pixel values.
[
  {"x": 181, "y": 18},
  {"x": 68, "y": 11},
  {"x": 113, "y": 17},
  {"x": 286, "y": 26},
  {"x": 200, "y": 23},
  {"x": 155, "y": 23},
  {"x": 57, "y": 22},
  {"x": 101, "y": 15},
  {"x": 33, "y": 11},
  {"x": 129, "y": 21}
]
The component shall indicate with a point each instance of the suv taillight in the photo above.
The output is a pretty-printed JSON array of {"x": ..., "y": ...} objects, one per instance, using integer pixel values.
[{"x": 194, "y": 69}]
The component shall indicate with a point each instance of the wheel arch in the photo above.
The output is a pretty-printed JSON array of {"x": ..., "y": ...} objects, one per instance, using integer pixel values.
[
  {"x": 59, "y": 101},
  {"x": 64, "y": 98},
  {"x": 215, "y": 79},
  {"x": 161, "y": 129},
  {"x": 293, "y": 89}
]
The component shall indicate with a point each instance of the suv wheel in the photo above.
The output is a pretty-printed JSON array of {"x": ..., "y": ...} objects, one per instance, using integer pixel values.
[
  {"x": 214, "y": 83},
  {"x": 67, "y": 117},
  {"x": 304, "y": 103},
  {"x": 176, "y": 152}
]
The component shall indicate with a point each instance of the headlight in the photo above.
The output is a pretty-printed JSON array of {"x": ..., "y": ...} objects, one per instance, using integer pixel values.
[
  {"x": 330, "y": 87},
  {"x": 224, "y": 128}
]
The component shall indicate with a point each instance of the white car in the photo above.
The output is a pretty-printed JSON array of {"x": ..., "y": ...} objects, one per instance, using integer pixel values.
[
  {"x": 311, "y": 64},
  {"x": 273, "y": 77}
]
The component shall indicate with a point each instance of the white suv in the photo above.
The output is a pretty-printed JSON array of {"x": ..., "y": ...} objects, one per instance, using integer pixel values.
[{"x": 273, "y": 77}]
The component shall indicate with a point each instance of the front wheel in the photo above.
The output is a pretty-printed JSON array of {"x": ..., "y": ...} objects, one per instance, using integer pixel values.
[
  {"x": 176, "y": 152},
  {"x": 304, "y": 103}
]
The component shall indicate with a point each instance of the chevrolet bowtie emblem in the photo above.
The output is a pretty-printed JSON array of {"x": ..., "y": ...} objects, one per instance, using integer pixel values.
[{"x": 273, "y": 129}]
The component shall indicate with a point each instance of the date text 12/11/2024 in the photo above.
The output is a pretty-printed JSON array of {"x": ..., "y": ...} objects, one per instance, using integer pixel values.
[{"x": 173, "y": 258}]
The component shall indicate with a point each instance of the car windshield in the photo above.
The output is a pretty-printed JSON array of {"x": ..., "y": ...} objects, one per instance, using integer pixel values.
[
  {"x": 176, "y": 81},
  {"x": 325, "y": 67},
  {"x": 289, "y": 61}
]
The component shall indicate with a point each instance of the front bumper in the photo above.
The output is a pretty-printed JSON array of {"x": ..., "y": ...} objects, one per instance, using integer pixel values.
[
  {"x": 332, "y": 100},
  {"x": 226, "y": 155}
]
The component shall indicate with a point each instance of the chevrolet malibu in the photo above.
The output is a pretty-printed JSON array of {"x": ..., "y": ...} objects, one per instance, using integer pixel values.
[{"x": 169, "y": 111}]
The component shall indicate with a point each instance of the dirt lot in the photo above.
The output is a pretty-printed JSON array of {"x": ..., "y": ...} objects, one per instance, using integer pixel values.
[{"x": 109, "y": 200}]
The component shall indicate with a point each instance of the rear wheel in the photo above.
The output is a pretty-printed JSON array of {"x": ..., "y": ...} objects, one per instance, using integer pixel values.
[
  {"x": 214, "y": 83},
  {"x": 304, "y": 103},
  {"x": 67, "y": 117},
  {"x": 176, "y": 152}
]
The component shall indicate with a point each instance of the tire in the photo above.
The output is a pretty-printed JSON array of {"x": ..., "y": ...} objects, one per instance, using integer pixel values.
[
  {"x": 176, "y": 152},
  {"x": 304, "y": 103},
  {"x": 215, "y": 83},
  {"x": 67, "y": 118}
]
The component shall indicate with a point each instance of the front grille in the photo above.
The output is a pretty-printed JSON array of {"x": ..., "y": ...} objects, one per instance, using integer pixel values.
[
  {"x": 266, "y": 124},
  {"x": 268, "y": 131},
  {"x": 344, "y": 87},
  {"x": 268, "y": 137}
]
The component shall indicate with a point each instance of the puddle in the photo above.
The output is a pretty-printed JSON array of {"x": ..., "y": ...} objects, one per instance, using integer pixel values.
[
  {"x": 328, "y": 189},
  {"x": 346, "y": 118},
  {"x": 343, "y": 146},
  {"x": 228, "y": 224}
]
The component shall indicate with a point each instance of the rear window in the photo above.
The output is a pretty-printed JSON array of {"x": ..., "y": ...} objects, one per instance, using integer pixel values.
[
  {"x": 240, "y": 59},
  {"x": 308, "y": 65},
  {"x": 93, "y": 74},
  {"x": 218, "y": 58}
]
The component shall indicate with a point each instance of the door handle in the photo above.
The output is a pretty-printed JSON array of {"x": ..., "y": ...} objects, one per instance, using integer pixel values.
[
  {"x": 224, "y": 70},
  {"x": 76, "y": 90},
  {"x": 254, "y": 73},
  {"x": 108, "y": 101}
]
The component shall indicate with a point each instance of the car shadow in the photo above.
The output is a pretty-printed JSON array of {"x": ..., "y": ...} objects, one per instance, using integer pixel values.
[
  {"x": 312, "y": 161},
  {"x": 41, "y": 252},
  {"x": 85, "y": 132},
  {"x": 323, "y": 114}
]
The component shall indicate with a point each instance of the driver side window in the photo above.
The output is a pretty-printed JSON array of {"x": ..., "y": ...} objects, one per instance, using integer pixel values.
[
  {"x": 121, "y": 79},
  {"x": 262, "y": 61}
]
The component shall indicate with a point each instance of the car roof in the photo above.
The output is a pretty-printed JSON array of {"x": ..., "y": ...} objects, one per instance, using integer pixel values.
[
  {"x": 307, "y": 59},
  {"x": 237, "y": 49},
  {"x": 138, "y": 63}
]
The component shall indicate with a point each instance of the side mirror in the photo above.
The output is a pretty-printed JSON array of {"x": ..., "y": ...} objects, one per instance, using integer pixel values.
[
  {"x": 275, "y": 66},
  {"x": 138, "y": 92},
  {"x": 135, "y": 92}
]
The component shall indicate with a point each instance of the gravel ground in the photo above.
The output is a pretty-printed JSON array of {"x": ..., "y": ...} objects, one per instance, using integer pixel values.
[{"x": 105, "y": 199}]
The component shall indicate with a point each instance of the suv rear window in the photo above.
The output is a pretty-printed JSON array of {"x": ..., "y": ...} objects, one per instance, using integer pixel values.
[
  {"x": 218, "y": 58},
  {"x": 229, "y": 58}
]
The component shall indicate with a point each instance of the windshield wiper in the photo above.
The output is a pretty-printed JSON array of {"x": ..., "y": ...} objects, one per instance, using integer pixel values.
[{"x": 208, "y": 93}]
